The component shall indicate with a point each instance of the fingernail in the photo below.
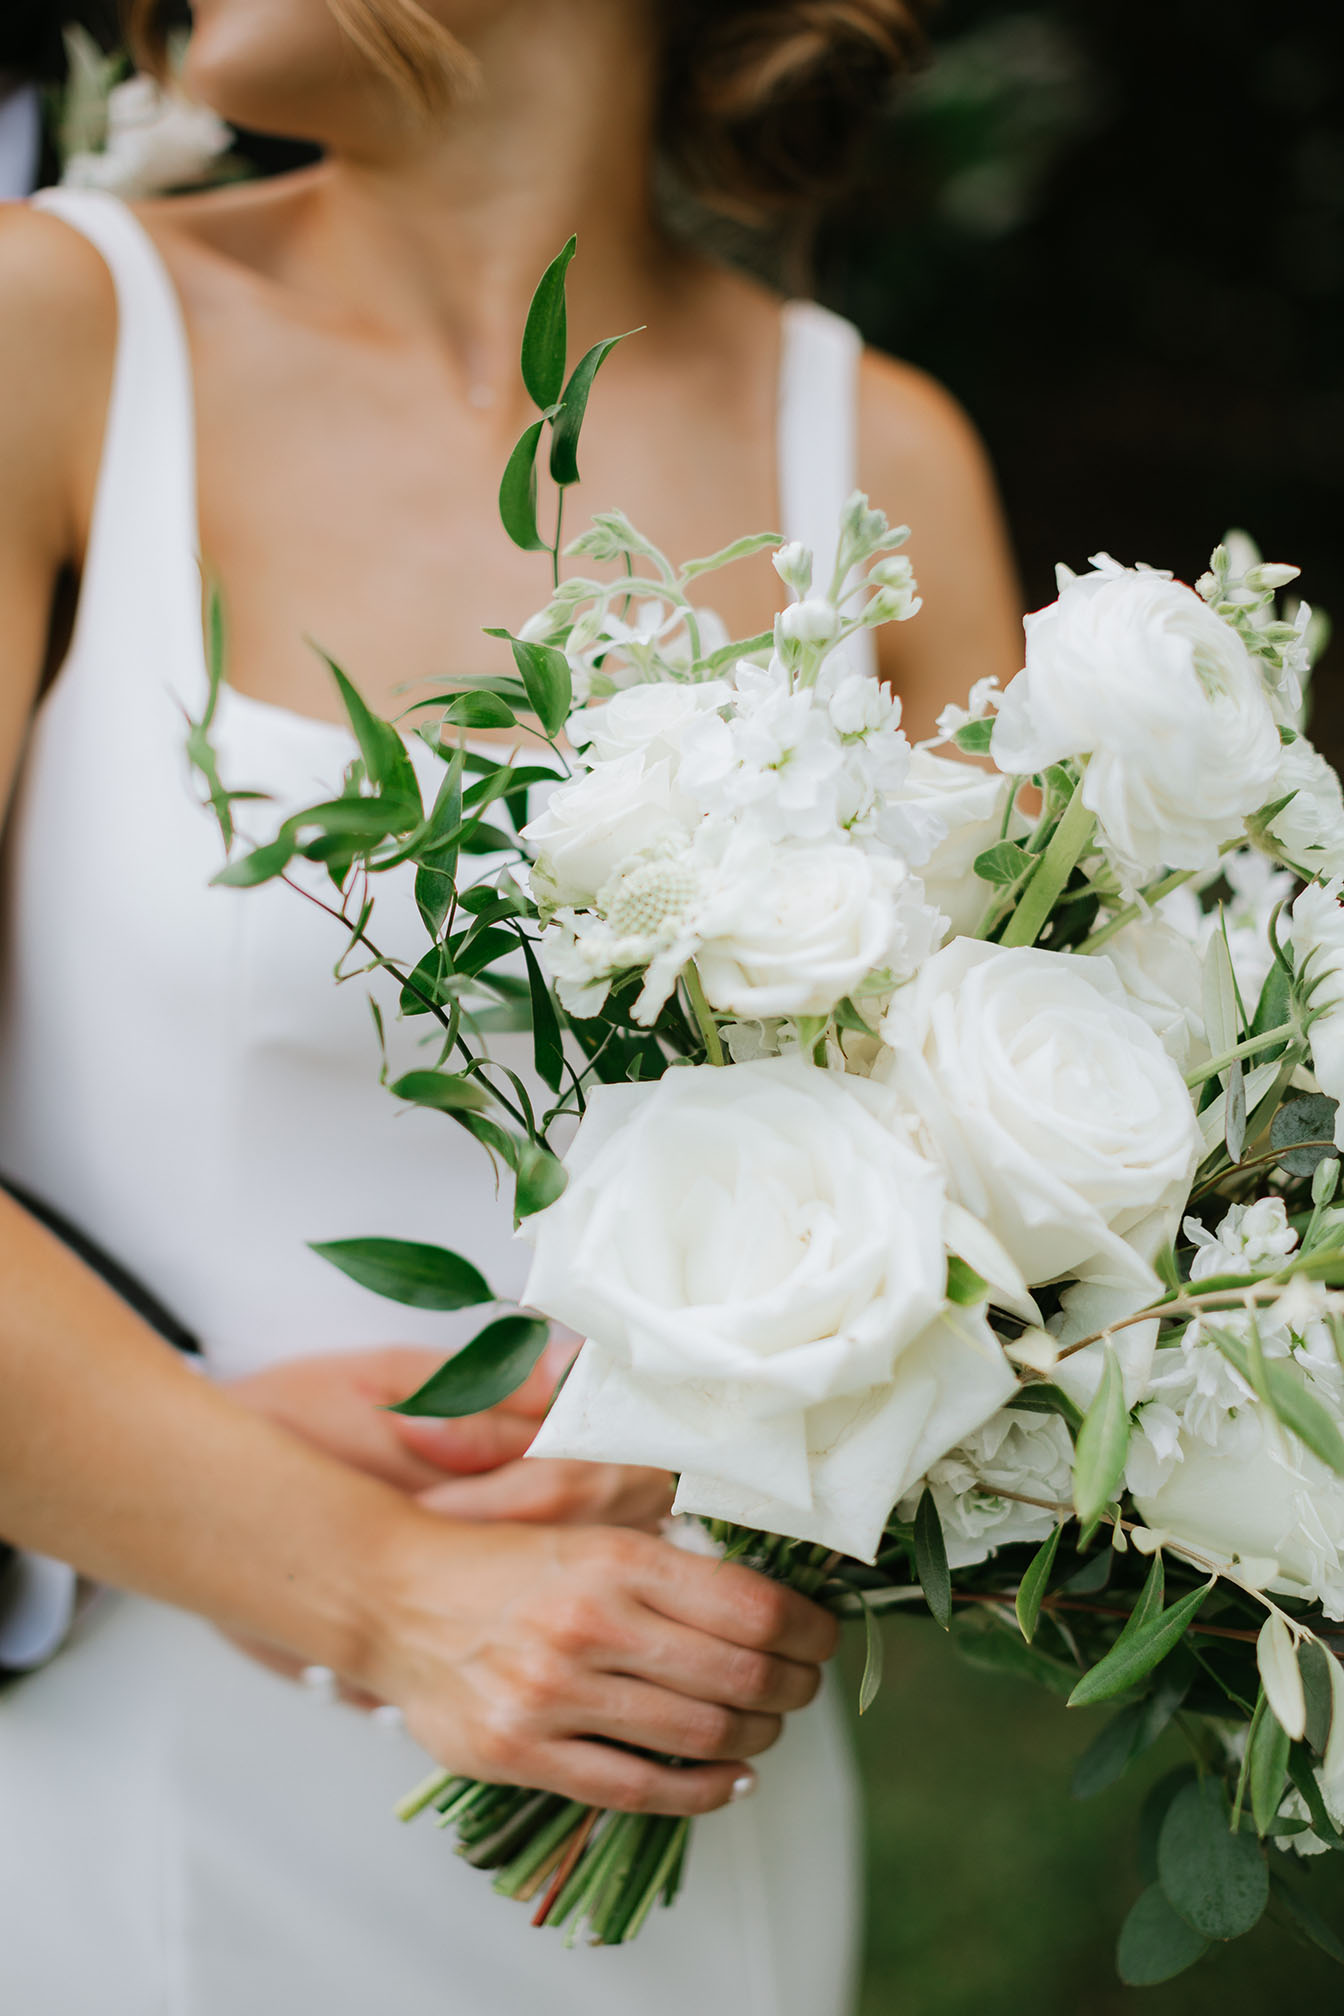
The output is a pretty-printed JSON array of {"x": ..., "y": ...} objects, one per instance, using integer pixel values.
[{"x": 744, "y": 1786}]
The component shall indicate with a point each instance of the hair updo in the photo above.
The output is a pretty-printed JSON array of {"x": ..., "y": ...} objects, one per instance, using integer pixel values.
[{"x": 763, "y": 105}]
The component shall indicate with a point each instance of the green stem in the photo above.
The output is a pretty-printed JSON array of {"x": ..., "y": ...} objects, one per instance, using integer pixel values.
[
  {"x": 555, "y": 550},
  {"x": 1248, "y": 1048},
  {"x": 1067, "y": 844},
  {"x": 704, "y": 1020},
  {"x": 424, "y": 1794}
]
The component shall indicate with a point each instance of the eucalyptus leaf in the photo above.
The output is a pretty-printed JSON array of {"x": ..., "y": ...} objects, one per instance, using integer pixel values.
[
  {"x": 931, "y": 1560},
  {"x": 1034, "y": 1583},
  {"x": 1155, "y": 1944},
  {"x": 1103, "y": 1443},
  {"x": 1308, "y": 1118},
  {"x": 1217, "y": 1881},
  {"x": 423, "y": 1277},
  {"x": 545, "y": 334},
  {"x": 518, "y": 492},
  {"x": 494, "y": 1364},
  {"x": 445, "y": 1091},
  {"x": 1125, "y": 1665},
  {"x": 568, "y": 422}
]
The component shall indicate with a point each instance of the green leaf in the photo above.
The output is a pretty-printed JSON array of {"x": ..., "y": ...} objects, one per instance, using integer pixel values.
[
  {"x": 964, "y": 1286},
  {"x": 873, "y": 1649},
  {"x": 1103, "y": 1443},
  {"x": 263, "y": 864},
  {"x": 740, "y": 549},
  {"x": 568, "y": 422},
  {"x": 484, "y": 1372},
  {"x": 545, "y": 335},
  {"x": 1304, "y": 1919},
  {"x": 1128, "y": 1663},
  {"x": 1155, "y": 1945},
  {"x": 547, "y": 1050},
  {"x": 931, "y": 1560},
  {"x": 1274, "y": 1007},
  {"x": 1269, "y": 1747},
  {"x": 518, "y": 492},
  {"x": 547, "y": 678},
  {"x": 987, "y": 1640},
  {"x": 741, "y": 647},
  {"x": 973, "y": 737},
  {"x": 388, "y": 765},
  {"x": 1216, "y": 1880},
  {"x": 423, "y": 1277},
  {"x": 441, "y": 1090},
  {"x": 1149, "y": 1603},
  {"x": 1314, "y": 1661},
  {"x": 481, "y": 709},
  {"x": 1281, "y": 1391},
  {"x": 1310, "y": 1118},
  {"x": 429, "y": 985},
  {"x": 363, "y": 820},
  {"x": 1127, "y": 1735},
  {"x": 1006, "y": 861},
  {"x": 436, "y": 872},
  {"x": 1032, "y": 1588},
  {"x": 540, "y": 1178}
]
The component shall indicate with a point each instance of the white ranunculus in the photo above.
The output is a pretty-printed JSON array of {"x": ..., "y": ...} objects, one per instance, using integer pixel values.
[
  {"x": 1261, "y": 1499},
  {"x": 156, "y": 140},
  {"x": 1163, "y": 978},
  {"x": 608, "y": 816},
  {"x": 649, "y": 719},
  {"x": 756, "y": 1256},
  {"x": 1310, "y": 828},
  {"x": 793, "y": 929},
  {"x": 1025, "y": 1455},
  {"x": 1061, "y": 1122},
  {"x": 1132, "y": 672},
  {"x": 971, "y": 804},
  {"x": 1258, "y": 889},
  {"x": 1318, "y": 953}
]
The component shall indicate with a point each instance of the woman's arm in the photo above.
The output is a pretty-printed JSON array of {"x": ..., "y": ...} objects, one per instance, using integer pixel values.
[{"x": 922, "y": 461}]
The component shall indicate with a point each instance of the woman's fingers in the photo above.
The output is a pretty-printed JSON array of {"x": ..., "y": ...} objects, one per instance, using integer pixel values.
[
  {"x": 470, "y": 1446},
  {"x": 730, "y": 1602},
  {"x": 602, "y": 1776},
  {"x": 631, "y": 1711},
  {"x": 558, "y": 1493},
  {"x": 710, "y": 1669}
]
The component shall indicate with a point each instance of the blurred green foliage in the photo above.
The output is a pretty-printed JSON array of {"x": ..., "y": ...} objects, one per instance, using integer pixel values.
[{"x": 990, "y": 1888}]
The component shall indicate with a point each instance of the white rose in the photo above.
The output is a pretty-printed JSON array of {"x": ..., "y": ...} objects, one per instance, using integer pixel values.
[
  {"x": 648, "y": 719},
  {"x": 971, "y": 804},
  {"x": 1025, "y": 1455},
  {"x": 1163, "y": 979},
  {"x": 156, "y": 140},
  {"x": 1310, "y": 828},
  {"x": 1133, "y": 672},
  {"x": 756, "y": 1256},
  {"x": 1060, "y": 1120},
  {"x": 793, "y": 929},
  {"x": 1318, "y": 953},
  {"x": 592, "y": 827},
  {"x": 1266, "y": 1501}
]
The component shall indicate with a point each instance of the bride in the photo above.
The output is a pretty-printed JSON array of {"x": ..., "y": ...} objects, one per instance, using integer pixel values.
[{"x": 311, "y": 385}]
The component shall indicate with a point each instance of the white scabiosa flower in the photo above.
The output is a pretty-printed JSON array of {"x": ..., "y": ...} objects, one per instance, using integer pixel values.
[{"x": 1131, "y": 673}]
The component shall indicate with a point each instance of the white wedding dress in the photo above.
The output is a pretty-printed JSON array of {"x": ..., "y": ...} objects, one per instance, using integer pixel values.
[{"x": 181, "y": 1832}]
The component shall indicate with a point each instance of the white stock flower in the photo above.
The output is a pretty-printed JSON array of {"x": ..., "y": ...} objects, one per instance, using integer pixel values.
[
  {"x": 776, "y": 759},
  {"x": 970, "y": 803},
  {"x": 602, "y": 820},
  {"x": 1133, "y": 673},
  {"x": 757, "y": 1258},
  {"x": 1061, "y": 1122},
  {"x": 1163, "y": 978},
  {"x": 981, "y": 702},
  {"x": 1318, "y": 953},
  {"x": 1310, "y": 829},
  {"x": 156, "y": 140},
  {"x": 1025, "y": 1455},
  {"x": 792, "y": 929},
  {"x": 1251, "y": 1238},
  {"x": 648, "y": 719}
]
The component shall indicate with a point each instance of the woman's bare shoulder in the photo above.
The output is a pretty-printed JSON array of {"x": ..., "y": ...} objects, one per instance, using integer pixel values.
[
  {"x": 917, "y": 441},
  {"x": 58, "y": 336}
]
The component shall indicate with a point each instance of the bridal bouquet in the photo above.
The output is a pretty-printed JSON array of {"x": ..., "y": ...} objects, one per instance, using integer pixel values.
[{"x": 953, "y": 1200}]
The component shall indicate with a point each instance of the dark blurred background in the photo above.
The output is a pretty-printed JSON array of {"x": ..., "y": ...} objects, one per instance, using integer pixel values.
[{"x": 1115, "y": 228}]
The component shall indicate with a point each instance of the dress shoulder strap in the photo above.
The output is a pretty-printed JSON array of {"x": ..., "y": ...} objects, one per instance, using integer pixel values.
[
  {"x": 818, "y": 436},
  {"x": 141, "y": 563}
]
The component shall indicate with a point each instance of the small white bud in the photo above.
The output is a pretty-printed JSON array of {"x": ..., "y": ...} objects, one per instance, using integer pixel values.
[
  {"x": 810, "y": 622},
  {"x": 793, "y": 564},
  {"x": 1271, "y": 575},
  {"x": 894, "y": 572}
]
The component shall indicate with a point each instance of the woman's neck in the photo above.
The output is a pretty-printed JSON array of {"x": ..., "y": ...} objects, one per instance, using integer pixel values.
[{"x": 442, "y": 229}]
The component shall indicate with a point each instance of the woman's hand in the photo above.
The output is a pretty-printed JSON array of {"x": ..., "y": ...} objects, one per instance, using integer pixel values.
[{"x": 551, "y": 1657}]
